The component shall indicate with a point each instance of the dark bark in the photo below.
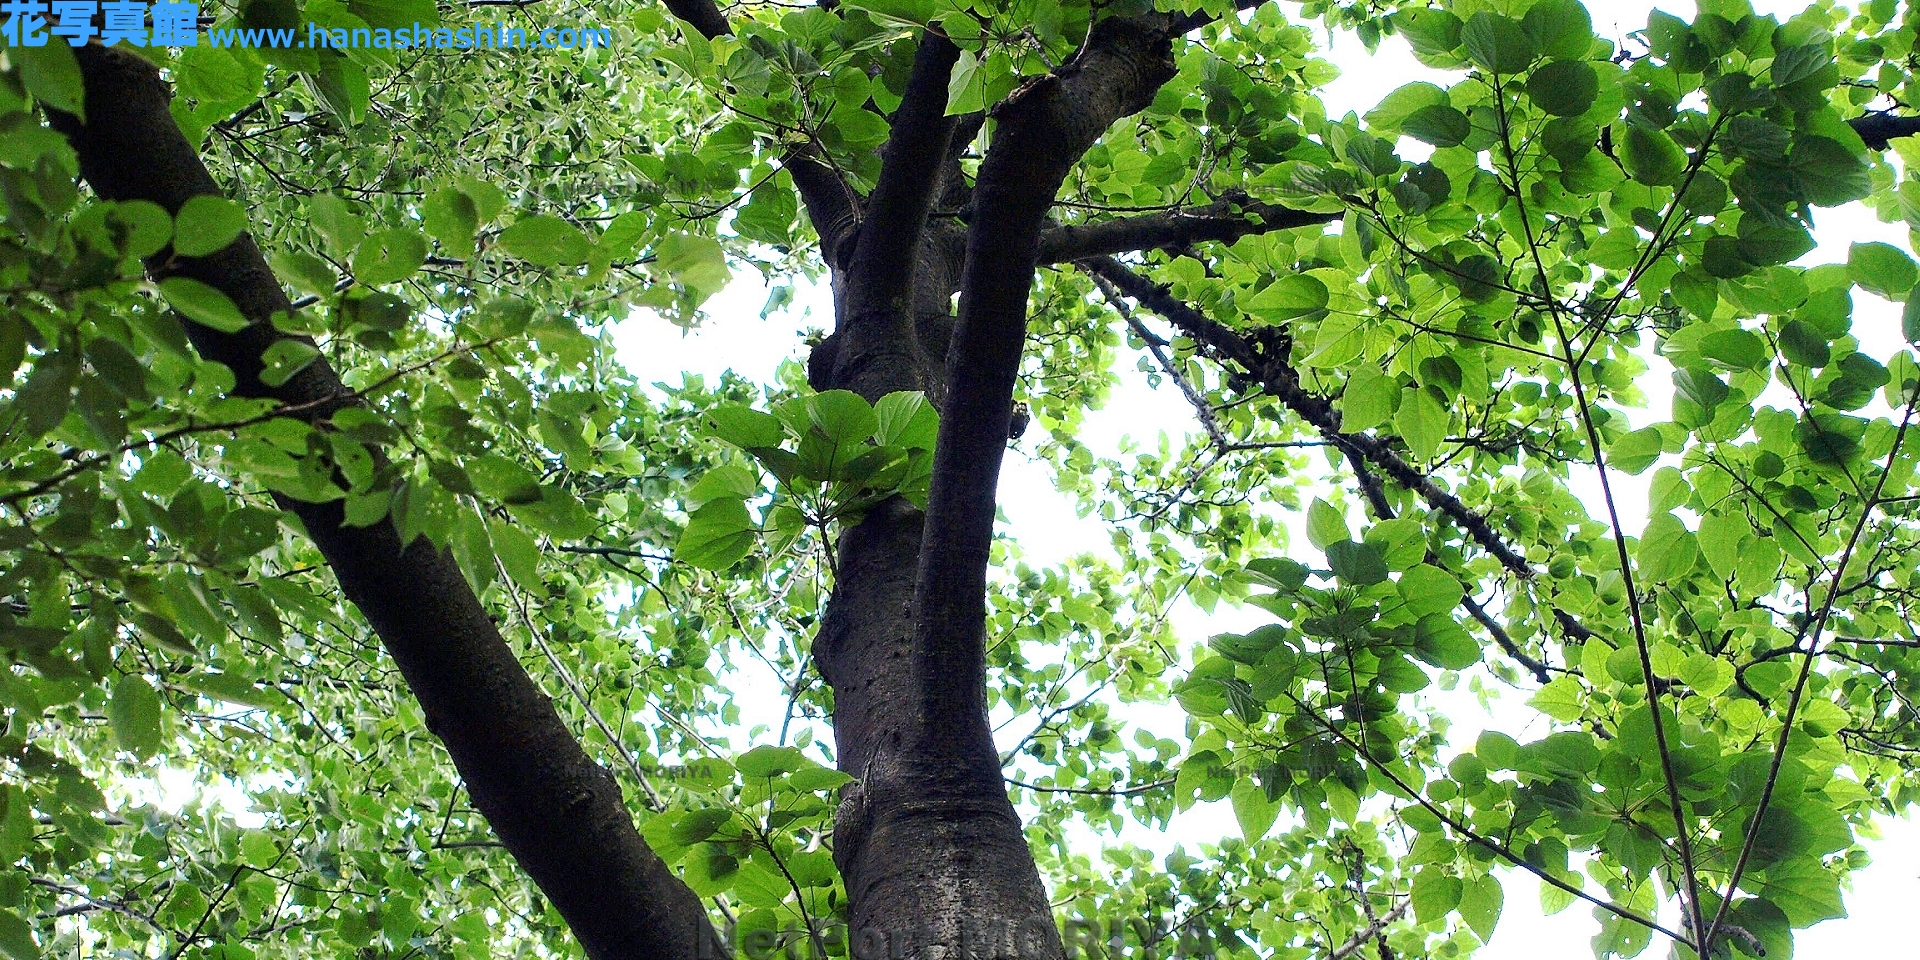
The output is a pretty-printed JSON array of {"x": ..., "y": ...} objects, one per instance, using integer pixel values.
[
  {"x": 910, "y": 172},
  {"x": 875, "y": 343},
  {"x": 928, "y": 842},
  {"x": 560, "y": 814},
  {"x": 702, "y": 15},
  {"x": 1879, "y": 128},
  {"x": 1224, "y": 221},
  {"x": 1042, "y": 132}
]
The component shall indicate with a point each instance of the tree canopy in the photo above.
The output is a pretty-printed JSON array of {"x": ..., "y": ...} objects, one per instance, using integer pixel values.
[{"x": 318, "y": 471}]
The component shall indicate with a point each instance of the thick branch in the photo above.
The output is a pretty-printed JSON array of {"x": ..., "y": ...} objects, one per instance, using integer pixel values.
[
  {"x": 1878, "y": 128},
  {"x": 557, "y": 811},
  {"x": 1042, "y": 131},
  {"x": 879, "y": 264},
  {"x": 832, "y": 206},
  {"x": 1224, "y": 221},
  {"x": 915, "y": 153},
  {"x": 702, "y": 15}
]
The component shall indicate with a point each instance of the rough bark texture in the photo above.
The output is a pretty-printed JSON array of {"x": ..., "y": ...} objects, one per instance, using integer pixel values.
[
  {"x": 560, "y": 814},
  {"x": 928, "y": 842}
]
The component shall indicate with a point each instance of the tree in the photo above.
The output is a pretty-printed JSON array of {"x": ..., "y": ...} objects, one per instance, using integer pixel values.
[{"x": 1420, "y": 327}]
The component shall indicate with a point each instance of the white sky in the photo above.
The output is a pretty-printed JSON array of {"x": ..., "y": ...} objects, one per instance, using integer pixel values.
[{"x": 735, "y": 338}]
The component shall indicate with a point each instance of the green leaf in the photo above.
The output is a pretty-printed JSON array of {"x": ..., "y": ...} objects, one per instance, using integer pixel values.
[
  {"x": 52, "y": 74},
  {"x": 202, "y": 304},
  {"x": 344, "y": 88},
  {"x": 1667, "y": 550},
  {"x": 1801, "y": 344},
  {"x": 770, "y": 761},
  {"x": 1804, "y": 890},
  {"x": 307, "y": 273},
  {"x": 1421, "y": 422},
  {"x": 1882, "y": 268},
  {"x": 134, "y": 713},
  {"x": 1564, "y": 88},
  {"x": 1739, "y": 349},
  {"x": 1288, "y": 298},
  {"x": 695, "y": 262},
  {"x": 841, "y": 416},
  {"x": 1427, "y": 589},
  {"x": 813, "y": 779},
  {"x": 48, "y": 393},
  {"x": 745, "y": 427},
  {"x": 1431, "y": 31},
  {"x": 231, "y": 687},
  {"x": 1699, "y": 295},
  {"x": 558, "y": 514},
  {"x": 695, "y": 826},
  {"x": 1368, "y": 399},
  {"x": 1480, "y": 904},
  {"x": 1772, "y": 245},
  {"x": 1251, "y": 808},
  {"x": 1396, "y": 107},
  {"x": 389, "y": 256},
  {"x": 717, "y": 535},
  {"x": 452, "y": 218},
  {"x": 1325, "y": 524},
  {"x": 207, "y": 224},
  {"x": 1828, "y": 173},
  {"x": 897, "y": 12},
  {"x": 1797, "y": 63},
  {"x": 284, "y": 359},
  {"x": 16, "y": 934},
  {"x": 1700, "y": 387},
  {"x": 1357, "y": 564},
  {"x": 1438, "y": 124},
  {"x": 1435, "y": 894},
  {"x": 503, "y": 480},
  {"x": 1440, "y": 640},
  {"x": 1651, "y": 157},
  {"x": 1559, "y": 699},
  {"x": 906, "y": 419},
  {"x": 149, "y": 228},
  {"x": 1910, "y": 316},
  {"x": 1498, "y": 44},
  {"x": 1636, "y": 451},
  {"x": 546, "y": 242},
  {"x": 1563, "y": 28},
  {"x": 519, "y": 553},
  {"x": 726, "y": 480},
  {"x": 337, "y": 222}
]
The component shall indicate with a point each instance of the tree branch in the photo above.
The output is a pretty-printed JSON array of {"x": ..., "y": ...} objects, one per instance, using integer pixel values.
[
  {"x": 1226, "y": 220},
  {"x": 1278, "y": 379},
  {"x": 1376, "y": 496},
  {"x": 557, "y": 811},
  {"x": 1878, "y": 128},
  {"x": 1374, "y": 929},
  {"x": 915, "y": 153},
  {"x": 1043, "y": 129},
  {"x": 701, "y": 15},
  {"x": 832, "y": 206}
]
